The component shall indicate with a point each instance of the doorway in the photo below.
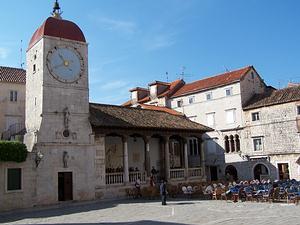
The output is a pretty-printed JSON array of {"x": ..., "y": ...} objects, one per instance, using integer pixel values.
[
  {"x": 260, "y": 172},
  {"x": 283, "y": 171},
  {"x": 213, "y": 173},
  {"x": 65, "y": 186},
  {"x": 231, "y": 173}
]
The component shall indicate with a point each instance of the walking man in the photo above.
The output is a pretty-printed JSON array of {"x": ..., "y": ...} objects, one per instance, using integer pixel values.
[{"x": 163, "y": 192}]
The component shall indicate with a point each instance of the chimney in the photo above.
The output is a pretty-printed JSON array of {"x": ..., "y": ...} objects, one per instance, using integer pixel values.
[
  {"x": 137, "y": 94},
  {"x": 157, "y": 87}
]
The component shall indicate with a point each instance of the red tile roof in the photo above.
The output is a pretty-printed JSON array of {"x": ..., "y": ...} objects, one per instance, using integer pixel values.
[
  {"x": 12, "y": 75},
  {"x": 162, "y": 109},
  {"x": 143, "y": 100},
  {"x": 57, "y": 28},
  {"x": 212, "y": 82},
  {"x": 174, "y": 86}
]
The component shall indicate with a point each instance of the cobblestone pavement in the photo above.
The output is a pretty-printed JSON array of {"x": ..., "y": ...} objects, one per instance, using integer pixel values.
[{"x": 153, "y": 213}]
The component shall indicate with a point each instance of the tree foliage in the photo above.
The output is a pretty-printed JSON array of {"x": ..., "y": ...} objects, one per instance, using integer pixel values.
[{"x": 12, "y": 151}]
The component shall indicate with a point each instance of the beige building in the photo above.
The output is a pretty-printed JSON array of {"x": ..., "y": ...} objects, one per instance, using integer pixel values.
[
  {"x": 84, "y": 151},
  {"x": 12, "y": 101}
]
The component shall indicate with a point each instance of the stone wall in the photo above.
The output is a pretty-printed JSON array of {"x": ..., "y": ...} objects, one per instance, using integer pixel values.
[
  {"x": 277, "y": 127},
  {"x": 24, "y": 198}
]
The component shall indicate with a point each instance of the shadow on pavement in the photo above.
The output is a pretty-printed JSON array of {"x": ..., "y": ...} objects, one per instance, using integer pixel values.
[
  {"x": 73, "y": 208},
  {"x": 141, "y": 222}
]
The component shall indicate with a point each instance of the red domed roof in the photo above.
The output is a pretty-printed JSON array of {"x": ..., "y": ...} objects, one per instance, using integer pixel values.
[{"x": 57, "y": 28}]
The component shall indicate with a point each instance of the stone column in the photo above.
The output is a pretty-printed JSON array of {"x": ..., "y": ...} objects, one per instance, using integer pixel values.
[
  {"x": 125, "y": 159},
  {"x": 202, "y": 153},
  {"x": 147, "y": 156},
  {"x": 230, "y": 146},
  {"x": 167, "y": 158},
  {"x": 186, "y": 159}
]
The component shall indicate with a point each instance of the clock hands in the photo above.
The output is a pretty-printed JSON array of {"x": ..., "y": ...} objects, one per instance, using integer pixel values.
[
  {"x": 57, "y": 66},
  {"x": 62, "y": 58}
]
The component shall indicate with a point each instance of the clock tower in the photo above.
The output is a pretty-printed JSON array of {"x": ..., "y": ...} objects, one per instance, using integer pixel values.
[{"x": 57, "y": 110}]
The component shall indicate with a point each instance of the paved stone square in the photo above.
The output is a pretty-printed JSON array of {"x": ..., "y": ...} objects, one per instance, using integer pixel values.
[{"x": 152, "y": 212}]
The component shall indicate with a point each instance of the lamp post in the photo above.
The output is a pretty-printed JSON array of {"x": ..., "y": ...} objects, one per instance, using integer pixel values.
[{"x": 38, "y": 158}]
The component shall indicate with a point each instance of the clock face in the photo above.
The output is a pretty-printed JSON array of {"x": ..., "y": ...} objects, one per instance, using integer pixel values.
[{"x": 65, "y": 64}]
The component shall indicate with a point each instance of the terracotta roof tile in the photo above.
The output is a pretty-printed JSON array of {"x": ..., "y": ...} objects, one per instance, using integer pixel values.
[
  {"x": 163, "y": 109},
  {"x": 211, "y": 82},
  {"x": 274, "y": 97},
  {"x": 174, "y": 86},
  {"x": 111, "y": 116},
  {"x": 12, "y": 75}
]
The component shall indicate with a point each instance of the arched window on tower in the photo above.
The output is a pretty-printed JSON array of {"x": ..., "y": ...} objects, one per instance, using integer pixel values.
[
  {"x": 232, "y": 147},
  {"x": 226, "y": 144},
  {"x": 237, "y": 143}
]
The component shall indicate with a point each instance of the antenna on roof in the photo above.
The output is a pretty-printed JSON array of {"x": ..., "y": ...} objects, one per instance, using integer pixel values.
[
  {"x": 167, "y": 76},
  {"x": 21, "y": 55},
  {"x": 182, "y": 72},
  {"x": 226, "y": 69}
]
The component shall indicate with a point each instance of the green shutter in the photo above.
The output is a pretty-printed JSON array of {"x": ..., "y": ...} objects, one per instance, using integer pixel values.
[{"x": 14, "y": 177}]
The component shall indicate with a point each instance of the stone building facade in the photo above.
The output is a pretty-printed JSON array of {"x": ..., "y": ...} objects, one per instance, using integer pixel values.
[{"x": 272, "y": 128}]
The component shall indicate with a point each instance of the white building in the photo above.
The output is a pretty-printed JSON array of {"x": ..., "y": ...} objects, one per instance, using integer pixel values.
[{"x": 217, "y": 102}]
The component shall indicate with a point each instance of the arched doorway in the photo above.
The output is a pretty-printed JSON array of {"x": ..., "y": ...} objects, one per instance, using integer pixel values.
[
  {"x": 231, "y": 173},
  {"x": 260, "y": 170}
]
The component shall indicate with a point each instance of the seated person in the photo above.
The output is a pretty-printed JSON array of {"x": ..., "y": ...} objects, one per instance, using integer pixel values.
[
  {"x": 138, "y": 187},
  {"x": 209, "y": 190}
]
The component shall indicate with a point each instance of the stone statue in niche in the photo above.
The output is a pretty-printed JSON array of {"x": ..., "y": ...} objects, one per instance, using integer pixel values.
[
  {"x": 74, "y": 136},
  {"x": 65, "y": 159},
  {"x": 66, "y": 118}
]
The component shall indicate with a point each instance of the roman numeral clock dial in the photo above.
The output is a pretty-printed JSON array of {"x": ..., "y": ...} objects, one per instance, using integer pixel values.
[{"x": 65, "y": 64}]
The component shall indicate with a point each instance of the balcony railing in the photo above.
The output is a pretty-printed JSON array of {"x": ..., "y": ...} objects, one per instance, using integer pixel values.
[
  {"x": 118, "y": 178},
  {"x": 133, "y": 176},
  {"x": 114, "y": 178},
  {"x": 195, "y": 172},
  {"x": 176, "y": 173}
]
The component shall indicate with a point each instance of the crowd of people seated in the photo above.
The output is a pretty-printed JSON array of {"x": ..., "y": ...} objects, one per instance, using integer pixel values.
[
  {"x": 254, "y": 190},
  {"x": 264, "y": 190}
]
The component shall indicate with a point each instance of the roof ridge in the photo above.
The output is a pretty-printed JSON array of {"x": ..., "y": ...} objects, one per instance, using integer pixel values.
[
  {"x": 222, "y": 74},
  {"x": 9, "y": 67},
  {"x": 134, "y": 108}
]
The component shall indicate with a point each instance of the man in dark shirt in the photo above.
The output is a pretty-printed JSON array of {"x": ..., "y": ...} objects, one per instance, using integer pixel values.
[{"x": 163, "y": 192}]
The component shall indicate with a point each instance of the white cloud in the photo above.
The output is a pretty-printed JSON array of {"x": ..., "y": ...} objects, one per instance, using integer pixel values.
[
  {"x": 4, "y": 53},
  {"x": 116, "y": 25},
  {"x": 114, "y": 92},
  {"x": 114, "y": 85},
  {"x": 160, "y": 41}
]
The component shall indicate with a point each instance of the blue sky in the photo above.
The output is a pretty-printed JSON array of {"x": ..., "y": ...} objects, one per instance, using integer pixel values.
[{"x": 134, "y": 42}]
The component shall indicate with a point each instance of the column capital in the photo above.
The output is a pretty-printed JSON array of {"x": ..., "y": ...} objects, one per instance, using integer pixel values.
[
  {"x": 124, "y": 138},
  {"x": 147, "y": 139},
  {"x": 166, "y": 138}
]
